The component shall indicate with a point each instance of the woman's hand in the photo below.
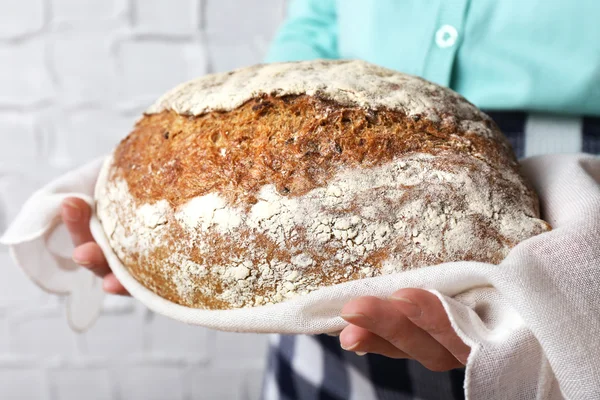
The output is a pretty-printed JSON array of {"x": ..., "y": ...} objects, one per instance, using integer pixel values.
[
  {"x": 76, "y": 215},
  {"x": 411, "y": 323}
]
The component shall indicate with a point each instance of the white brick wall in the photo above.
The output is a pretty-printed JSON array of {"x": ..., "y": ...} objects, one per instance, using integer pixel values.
[
  {"x": 82, "y": 65},
  {"x": 79, "y": 383},
  {"x": 21, "y": 17},
  {"x": 26, "y": 79},
  {"x": 148, "y": 66},
  {"x": 167, "y": 17},
  {"x": 23, "y": 149},
  {"x": 74, "y": 77},
  {"x": 24, "y": 383},
  {"x": 88, "y": 11}
]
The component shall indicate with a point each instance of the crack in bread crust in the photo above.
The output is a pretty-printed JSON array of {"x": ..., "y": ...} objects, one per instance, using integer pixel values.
[
  {"x": 284, "y": 195},
  {"x": 295, "y": 142}
]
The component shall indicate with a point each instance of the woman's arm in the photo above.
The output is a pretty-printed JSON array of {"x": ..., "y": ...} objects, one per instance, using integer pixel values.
[{"x": 309, "y": 32}]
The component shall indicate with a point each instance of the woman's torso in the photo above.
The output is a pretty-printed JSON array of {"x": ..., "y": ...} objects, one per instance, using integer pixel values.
[{"x": 511, "y": 54}]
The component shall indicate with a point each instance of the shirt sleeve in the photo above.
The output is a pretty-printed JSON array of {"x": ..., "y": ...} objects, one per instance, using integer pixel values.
[{"x": 309, "y": 32}]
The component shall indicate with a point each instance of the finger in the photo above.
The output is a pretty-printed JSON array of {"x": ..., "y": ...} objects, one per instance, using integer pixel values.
[
  {"x": 383, "y": 319},
  {"x": 112, "y": 285},
  {"x": 76, "y": 216},
  {"x": 90, "y": 256},
  {"x": 426, "y": 311},
  {"x": 361, "y": 341}
]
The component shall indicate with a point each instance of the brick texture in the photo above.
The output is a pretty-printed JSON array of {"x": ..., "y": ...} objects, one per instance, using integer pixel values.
[
  {"x": 77, "y": 384},
  {"x": 244, "y": 383},
  {"x": 166, "y": 17},
  {"x": 21, "y": 17},
  {"x": 74, "y": 77},
  {"x": 148, "y": 67},
  {"x": 69, "y": 143},
  {"x": 168, "y": 338},
  {"x": 230, "y": 21},
  {"x": 152, "y": 383},
  {"x": 202, "y": 387},
  {"x": 17, "y": 183},
  {"x": 118, "y": 305},
  {"x": 23, "y": 149},
  {"x": 16, "y": 290},
  {"x": 252, "y": 384},
  {"x": 233, "y": 348},
  {"x": 25, "y": 79},
  {"x": 225, "y": 57},
  {"x": 83, "y": 66},
  {"x": 4, "y": 338},
  {"x": 46, "y": 336},
  {"x": 87, "y": 11},
  {"x": 23, "y": 384},
  {"x": 114, "y": 336}
]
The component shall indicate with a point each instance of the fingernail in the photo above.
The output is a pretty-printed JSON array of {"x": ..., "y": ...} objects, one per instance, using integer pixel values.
[
  {"x": 360, "y": 353},
  {"x": 349, "y": 317},
  {"x": 411, "y": 310},
  {"x": 81, "y": 262},
  {"x": 72, "y": 211},
  {"x": 350, "y": 348}
]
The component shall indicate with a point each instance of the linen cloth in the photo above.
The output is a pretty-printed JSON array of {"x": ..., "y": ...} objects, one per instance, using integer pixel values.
[{"x": 532, "y": 322}]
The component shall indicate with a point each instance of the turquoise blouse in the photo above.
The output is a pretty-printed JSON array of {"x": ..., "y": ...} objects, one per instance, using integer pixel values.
[{"x": 533, "y": 55}]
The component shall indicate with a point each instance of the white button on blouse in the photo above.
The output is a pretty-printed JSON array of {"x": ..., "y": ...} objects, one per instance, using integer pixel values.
[{"x": 446, "y": 36}]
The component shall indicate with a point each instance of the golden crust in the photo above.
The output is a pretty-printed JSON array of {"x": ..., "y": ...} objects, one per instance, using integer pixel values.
[
  {"x": 294, "y": 142},
  {"x": 297, "y": 143}
]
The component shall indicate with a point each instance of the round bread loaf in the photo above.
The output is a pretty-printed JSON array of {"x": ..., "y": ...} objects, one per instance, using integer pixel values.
[{"x": 250, "y": 187}]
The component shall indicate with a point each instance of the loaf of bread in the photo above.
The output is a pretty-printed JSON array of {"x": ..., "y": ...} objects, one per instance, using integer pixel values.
[{"x": 254, "y": 186}]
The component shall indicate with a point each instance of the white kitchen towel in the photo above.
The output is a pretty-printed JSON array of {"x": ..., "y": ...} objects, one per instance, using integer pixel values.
[{"x": 533, "y": 322}]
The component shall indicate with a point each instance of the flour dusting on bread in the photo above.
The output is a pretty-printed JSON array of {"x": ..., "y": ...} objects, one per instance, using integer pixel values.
[{"x": 251, "y": 187}]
